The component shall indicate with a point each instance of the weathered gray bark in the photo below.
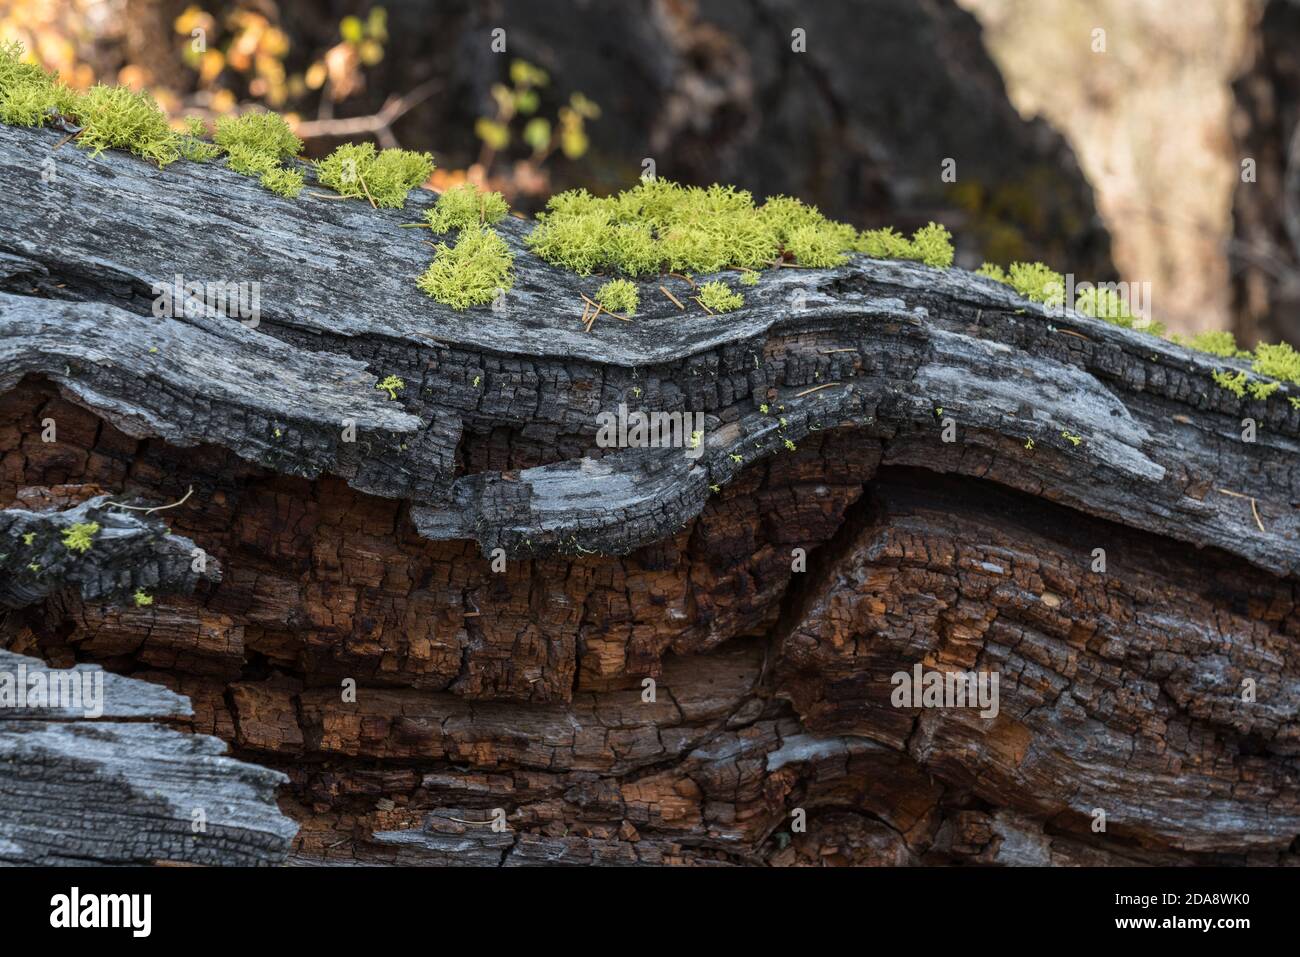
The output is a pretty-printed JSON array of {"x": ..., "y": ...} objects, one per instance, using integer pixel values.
[
  {"x": 1121, "y": 690},
  {"x": 122, "y": 788}
]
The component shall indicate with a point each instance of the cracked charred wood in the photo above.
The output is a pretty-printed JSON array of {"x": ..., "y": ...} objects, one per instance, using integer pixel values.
[
  {"x": 476, "y": 635},
  {"x": 126, "y": 553},
  {"x": 108, "y": 782}
]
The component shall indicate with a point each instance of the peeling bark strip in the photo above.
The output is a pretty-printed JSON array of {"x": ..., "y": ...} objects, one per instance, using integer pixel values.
[{"x": 568, "y": 654}]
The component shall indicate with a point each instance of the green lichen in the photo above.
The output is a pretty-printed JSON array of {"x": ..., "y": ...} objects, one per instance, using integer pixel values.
[
  {"x": 659, "y": 225},
  {"x": 392, "y": 385},
  {"x": 749, "y": 278},
  {"x": 267, "y": 133},
  {"x": 463, "y": 206},
  {"x": 473, "y": 272},
  {"x": 718, "y": 297},
  {"x": 1105, "y": 304},
  {"x": 114, "y": 117},
  {"x": 619, "y": 295},
  {"x": 29, "y": 95},
  {"x": 1070, "y": 437},
  {"x": 1216, "y": 343},
  {"x": 1279, "y": 361},
  {"x": 384, "y": 178},
  {"x": 286, "y": 182},
  {"x": 1262, "y": 390},
  {"x": 256, "y": 144},
  {"x": 193, "y": 147},
  {"x": 931, "y": 244},
  {"x": 142, "y": 598},
  {"x": 1233, "y": 382},
  {"x": 1035, "y": 281},
  {"x": 80, "y": 537}
]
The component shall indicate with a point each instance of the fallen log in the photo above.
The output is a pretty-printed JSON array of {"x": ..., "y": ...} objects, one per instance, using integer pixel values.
[{"x": 467, "y": 633}]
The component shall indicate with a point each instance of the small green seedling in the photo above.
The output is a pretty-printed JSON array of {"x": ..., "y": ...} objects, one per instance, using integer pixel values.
[{"x": 392, "y": 385}]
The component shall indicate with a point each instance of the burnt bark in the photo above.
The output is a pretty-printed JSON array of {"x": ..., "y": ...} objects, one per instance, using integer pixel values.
[{"x": 519, "y": 685}]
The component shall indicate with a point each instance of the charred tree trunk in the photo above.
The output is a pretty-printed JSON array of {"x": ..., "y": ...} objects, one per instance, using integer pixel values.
[{"x": 1097, "y": 533}]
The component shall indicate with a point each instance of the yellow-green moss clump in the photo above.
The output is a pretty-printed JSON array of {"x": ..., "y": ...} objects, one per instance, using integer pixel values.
[
  {"x": 115, "y": 117},
  {"x": 110, "y": 117},
  {"x": 1216, "y": 343},
  {"x": 931, "y": 244},
  {"x": 1280, "y": 362},
  {"x": 29, "y": 95},
  {"x": 659, "y": 225},
  {"x": 80, "y": 537},
  {"x": 384, "y": 178},
  {"x": 619, "y": 295},
  {"x": 719, "y": 297},
  {"x": 464, "y": 206},
  {"x": 1034, "y": 281},
  {"x": 473, "y": 272},
  {"x": 392, "y": 385},
  {"x": 256, "y": 144}
]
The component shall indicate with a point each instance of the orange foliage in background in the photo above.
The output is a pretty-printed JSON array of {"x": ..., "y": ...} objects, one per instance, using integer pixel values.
[{"x": 228, "y": 57}]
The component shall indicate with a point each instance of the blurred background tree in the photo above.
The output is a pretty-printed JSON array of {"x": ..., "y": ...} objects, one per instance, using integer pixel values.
[{"x": 997, "y": 117}]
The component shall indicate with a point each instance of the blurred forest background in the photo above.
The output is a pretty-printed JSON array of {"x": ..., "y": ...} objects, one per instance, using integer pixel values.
[{"x": 1114, "y": 160}]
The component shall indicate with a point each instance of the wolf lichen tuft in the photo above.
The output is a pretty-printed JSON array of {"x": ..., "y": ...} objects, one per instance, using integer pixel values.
[
  {"x": 719, "y": 297},
  {"x": 473, "y": 272},
  {"x": 1262, "y": 390},
  {"x": 286, "y": 182},
  {"x": 463, "y": 206},
  {"x": 80, "y": 537},
  {"x": 1234, "y": 383},
  {"x": 116, "y": 117},
  {"x": 619, "y": 295},
  {"x": 658, "y": 225},
  {"x": 356, "y": 170},
  {"x": 29, "y": 95},
  {"x": 1278, "y": 361},
  {"x": 256, "y": 144},
  {"x": 193, "y": 147},
  {"x": 267, "y": 133},
  {"x": 931, "y": 244},
  {"x": 1217, "y": 343},
  {"x": 142, "y": 598}
]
